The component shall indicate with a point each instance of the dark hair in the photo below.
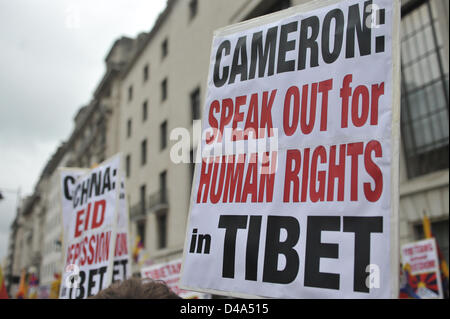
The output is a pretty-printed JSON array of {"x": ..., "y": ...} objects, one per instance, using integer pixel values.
[{"x": 135, "y": 288}]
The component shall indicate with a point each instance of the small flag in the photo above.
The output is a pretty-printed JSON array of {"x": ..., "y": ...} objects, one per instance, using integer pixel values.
[
  {"x": 426, "y": 226},
  {"x": 442, "y": 263},
  {"x": 138, "y": 246},
  {"x": 406, "y": 289},
  {"x": 22, "y": 292},
  {"x": 54, "y": 287},
  {"x": 3, "y": 292}
]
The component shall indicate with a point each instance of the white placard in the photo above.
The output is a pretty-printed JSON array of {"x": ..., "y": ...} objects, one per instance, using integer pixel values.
[
  {"x": 296, "y": 195},
  {"x": 169, "y": 273},
  {"x": 95, "y": 219}
]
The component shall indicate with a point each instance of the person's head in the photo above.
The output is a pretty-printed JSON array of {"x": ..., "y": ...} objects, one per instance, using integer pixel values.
[{"x": 135, "y": 288}]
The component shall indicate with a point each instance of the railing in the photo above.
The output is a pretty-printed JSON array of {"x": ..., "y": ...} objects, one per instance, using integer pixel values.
[
  {"x": 137, "y": 210},
  {"x": 158, "y": 200}
]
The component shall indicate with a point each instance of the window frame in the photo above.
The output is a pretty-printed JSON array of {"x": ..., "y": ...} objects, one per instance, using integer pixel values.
[
  {"x": 128, "y": 165},
  {"x": 164, "y": 89},
  {"x": 129, "y": 128},
  {"x": 164, "y": 48},
  {"x": 144, "y": 149},
  {"x": 195, "y": 104},
  {"x": 145, "y": 111},
  {"x": 423, "y": 157},
  {"x": 145, "y": 73},
  {"x": 193, "y": 9},
  {"x": 163, "y": 135},
  {"x": 130, "y": 93}
]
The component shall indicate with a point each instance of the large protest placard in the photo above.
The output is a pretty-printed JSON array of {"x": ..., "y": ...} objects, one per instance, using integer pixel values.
[
  {"x": 421, "y": 272},
  {"x": 95, "y": 219},
  {"x": 169, "y": 273},
  {"x": 296, "y": 193}
]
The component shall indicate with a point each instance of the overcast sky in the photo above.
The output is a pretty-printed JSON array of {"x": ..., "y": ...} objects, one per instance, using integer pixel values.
[{"x": 51, "y": 59}]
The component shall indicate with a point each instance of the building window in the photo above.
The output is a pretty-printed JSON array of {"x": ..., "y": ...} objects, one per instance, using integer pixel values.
[
  {"x": 163, "y": 135},
  {"x": 195, "y": 104},
  {"x": 128, "y": 165},
  {"x": 161, "y": 221},
  {"x": 164, "y": 90},
  {"x": 142, "y": 199},
  {"x": 163, "y": 186},
  {"x": 161, "y": 217},
  {"x": 144, "y": 111},
  {"x": 144, "y": 152},
  {"x": 165, "y": 48},
  {"x": 130, "y": 93},
  {"x": 425, "y": 130},
  {"x": 267, "y": 7},
  {"x": 193, "y": 6},
  {"x": 140, "y": 226},
  {"x": 145, "y": 73},
  {"x": 129, "y": 128}
]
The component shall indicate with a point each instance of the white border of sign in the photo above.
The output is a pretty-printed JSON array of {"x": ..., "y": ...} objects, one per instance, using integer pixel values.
[
  {"x": 112, "y": 247},
  {"x": 60, "y": 195},
  {"x": 86, "y": 171},
  {"x": 395, "y": 139},
  {"x": 395, "y": 136}
]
